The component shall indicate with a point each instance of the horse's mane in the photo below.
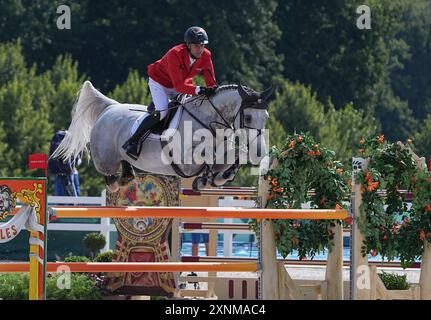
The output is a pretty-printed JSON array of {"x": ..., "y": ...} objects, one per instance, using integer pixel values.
[{"x": 233, "y": 87}]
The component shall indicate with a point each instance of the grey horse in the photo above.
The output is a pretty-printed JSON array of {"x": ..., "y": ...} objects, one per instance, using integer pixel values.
[{"x": 101, "y": 125}]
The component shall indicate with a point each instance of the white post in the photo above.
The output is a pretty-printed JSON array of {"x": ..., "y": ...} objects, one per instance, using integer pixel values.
[
  {"x": 268, "y": 257},
  {"x": 425, "y": 278},
  {"x": 334, "y": 266},
  {"x": 359, "y": 269},
  {"x": 227, "y": 240}
]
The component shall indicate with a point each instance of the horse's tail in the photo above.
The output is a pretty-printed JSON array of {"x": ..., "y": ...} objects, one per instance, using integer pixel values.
[{"x": 89, "y": 105}]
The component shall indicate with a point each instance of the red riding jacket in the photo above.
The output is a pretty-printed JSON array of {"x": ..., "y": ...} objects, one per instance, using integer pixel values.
[{"x": 173, "y": 70}]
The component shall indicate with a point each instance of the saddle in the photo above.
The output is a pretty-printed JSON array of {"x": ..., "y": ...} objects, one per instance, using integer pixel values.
[{"x": 159, "y": 127}]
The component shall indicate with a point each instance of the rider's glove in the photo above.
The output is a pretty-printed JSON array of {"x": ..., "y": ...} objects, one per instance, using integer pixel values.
[{"x": 206, "y": 91}]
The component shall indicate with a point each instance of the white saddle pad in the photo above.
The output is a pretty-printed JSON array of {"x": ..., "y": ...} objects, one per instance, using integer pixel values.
[{"x": 172, "y": 125}]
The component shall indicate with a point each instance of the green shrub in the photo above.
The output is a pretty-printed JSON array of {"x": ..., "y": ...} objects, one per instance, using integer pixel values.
[
  {"x": 76, "y": 259},
  {"x": 81, "y": 288},
  {"x": 394, "y": 281},
  {"x": 14, "y": 286},
  {"x": 105, "y": 256},
  {"x": 94, "y": 242}
]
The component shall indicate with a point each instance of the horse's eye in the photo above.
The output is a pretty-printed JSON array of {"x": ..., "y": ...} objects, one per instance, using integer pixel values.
[{"x": 248, "y": 118}]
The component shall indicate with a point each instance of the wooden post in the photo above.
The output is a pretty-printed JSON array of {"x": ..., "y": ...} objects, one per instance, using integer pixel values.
[
  {"x": 267, "y": 248},
  {"x": 334, "y": 266},
  {"x": 360, "y": 270},
  {"x": 212, "y": 251},
  {"x": 425, "y": 278}
]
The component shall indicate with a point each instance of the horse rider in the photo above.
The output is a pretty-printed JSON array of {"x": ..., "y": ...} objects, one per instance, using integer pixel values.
[{"x": 173, "y": 74}]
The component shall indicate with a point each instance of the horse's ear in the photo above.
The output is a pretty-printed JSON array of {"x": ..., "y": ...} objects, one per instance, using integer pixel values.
[
  {"x": 267, "y": 93},
  {"x": 244, "y": 95}
]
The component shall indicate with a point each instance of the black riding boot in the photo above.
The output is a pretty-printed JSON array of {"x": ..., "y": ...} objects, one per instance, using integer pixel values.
[{"x": 133, "y": 145}]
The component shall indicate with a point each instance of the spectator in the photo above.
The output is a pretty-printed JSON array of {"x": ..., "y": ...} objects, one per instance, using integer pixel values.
[{"x": 66, "y": 173}]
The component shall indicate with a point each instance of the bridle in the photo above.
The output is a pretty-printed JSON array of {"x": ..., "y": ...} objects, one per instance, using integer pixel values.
[{"x": 250, "y": 102}]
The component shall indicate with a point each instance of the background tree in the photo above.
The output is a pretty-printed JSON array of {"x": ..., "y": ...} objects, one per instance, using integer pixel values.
[{"x": 94, "y": 242}]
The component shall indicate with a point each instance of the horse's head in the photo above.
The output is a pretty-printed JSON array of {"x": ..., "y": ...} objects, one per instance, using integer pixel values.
[
  {"x": 253, "y": 114},
  {"x": 245, "y": 111}
]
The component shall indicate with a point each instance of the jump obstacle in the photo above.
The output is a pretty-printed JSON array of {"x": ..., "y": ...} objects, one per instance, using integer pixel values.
[
  {"x": 274, "y": 285},
  {"x": 37, "y": 290}
]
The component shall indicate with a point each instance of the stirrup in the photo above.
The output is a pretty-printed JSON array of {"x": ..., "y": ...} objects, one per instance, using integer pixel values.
[{"x": 132, "y": 149}]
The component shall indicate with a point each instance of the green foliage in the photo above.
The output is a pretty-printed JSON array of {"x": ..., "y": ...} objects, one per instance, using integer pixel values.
[
  {"x": 393, "y": 231},
  {"x": 422, "y": 138},
  {"x": 94, "y": 242},
  {"x": 14, "y": 286},
  {"x": 105, "y": 256},
  {"x": 304, "y": 165},
  {"x": 76, "y": 259},
  {"x": 394, "y": 281},
  {"x": 133, "y": 90},
  {"x": 81, "y": 288},
  {"x": 344, "y": 82},
  {"x": 296, "y": 108}
]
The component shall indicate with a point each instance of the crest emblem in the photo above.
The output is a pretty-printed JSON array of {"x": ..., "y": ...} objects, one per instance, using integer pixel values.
[{"x": 7, "y": 201}]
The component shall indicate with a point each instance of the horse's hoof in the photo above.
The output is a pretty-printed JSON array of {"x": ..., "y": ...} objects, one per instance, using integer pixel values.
[
  {"x": 113, "y": 187},
  {"x": 199, "y": 183},
  {"x": 218, "y": 180}
]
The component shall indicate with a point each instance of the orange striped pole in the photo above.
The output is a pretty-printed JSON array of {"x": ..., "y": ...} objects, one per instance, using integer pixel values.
[
  {"x": 195, "y": 212},
  {"x": 137, "y": 267}
]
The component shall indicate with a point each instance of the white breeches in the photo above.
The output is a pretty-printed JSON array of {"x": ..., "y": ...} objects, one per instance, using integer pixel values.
[{"x": 160, "y": 96}]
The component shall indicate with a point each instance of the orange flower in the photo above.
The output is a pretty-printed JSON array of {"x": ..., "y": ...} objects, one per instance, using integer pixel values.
[
  {"x": 278, "y": 189},
  {"x": 316, "y": 146},
  {"x": 372, "y": 186},
  {"x": 292, "y": 144},
  {"x": 318, "y": 153},
  {"x": 381, "y": 139},
  {"x": 427, "y": 208},
  {"x": 385, "y": 238},
  {"x": 373, "y": 253},
  {"x": 362, "y": 141},
  {"x": 340, "y": 170},
  {"x": 338, "y": 207},
  {"x": 274, "y": 182},
  {"x": 349, "y": 220},
  {"x": 299, "y": 138},
  {"x": 368, "y": 176},
  {"x": 311, "y": 153}
]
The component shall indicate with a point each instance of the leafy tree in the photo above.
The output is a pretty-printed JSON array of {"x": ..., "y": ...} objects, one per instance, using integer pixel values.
[
  {"x": 323, "y": 48},
  {"x": 94, "y": 242},
  {"x": 133, "y": 90},
  {"x": 411, "y": 82},
  {"x": 298, "y": 109},
  {"x": 422, "y": 139}
]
